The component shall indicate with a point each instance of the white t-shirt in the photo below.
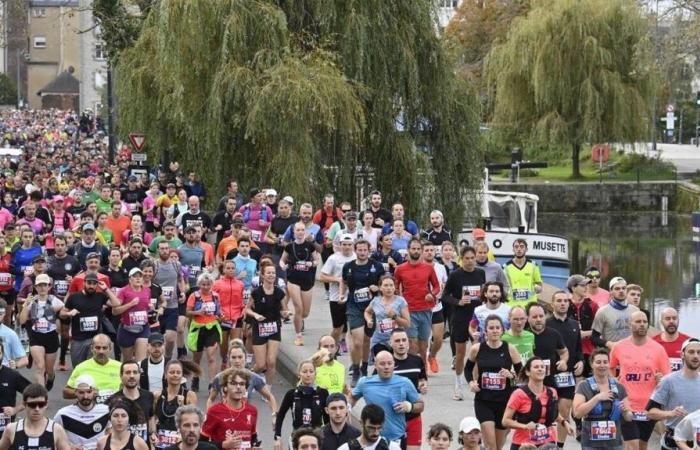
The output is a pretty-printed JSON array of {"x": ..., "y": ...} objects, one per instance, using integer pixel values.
[
  {"x": 392, "y": 446},
  {"x": 334, "y": 267},
  {"x": 155, "y": 375},
  {"x": 689, "y": 429},
  {"x": 441, "y": 273}
]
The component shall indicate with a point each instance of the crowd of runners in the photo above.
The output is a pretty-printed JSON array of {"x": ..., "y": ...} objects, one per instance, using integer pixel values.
[{"x": 122, "y": 278}]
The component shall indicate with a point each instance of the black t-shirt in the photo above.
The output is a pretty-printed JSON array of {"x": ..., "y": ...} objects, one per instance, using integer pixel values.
[
  {"x": 132, "y": 197},
  {"x": 88, "y": 322},
  {"x": 225, "y": 219},
  {"x": 201, "y": 446},
  {"x": 299, "y": 253},
  {"x": 268, "y": 305},
  {"x": 59, "y": 269},
  {"x": 201, "y": 219},
  {"x": 117, "y": 278},
  {"x": 279, "y": 225},
  {"x": 381, "y": 213},
  {"x": 145, "y": 403},
  {"x": 570, "y": 331},
  {"x": 546, "y": 345},
  {"x": 456, "y": 282},
  {"x": 12, "y": 383}
]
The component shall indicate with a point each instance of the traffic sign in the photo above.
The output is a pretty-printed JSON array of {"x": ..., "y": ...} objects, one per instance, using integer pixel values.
[
  {"x": 139, "y": 157},
  {"x": 670, "y": 108},
  {"x": 670, "y": 121},
  {"x": 600, "y": 153},
  {"x": 138, "y": 140}
]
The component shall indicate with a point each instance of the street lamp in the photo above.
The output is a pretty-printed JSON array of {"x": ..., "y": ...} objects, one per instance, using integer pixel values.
[
  {"x": 697, "y": 116},
  {"x": 26, "y": 56}
]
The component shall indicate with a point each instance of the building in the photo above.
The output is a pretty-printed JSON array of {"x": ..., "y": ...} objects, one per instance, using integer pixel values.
[
  {"x": 93, "y": 60},
  {"x": 54, "y": 45},
  {"x": 446, "y": 11}
]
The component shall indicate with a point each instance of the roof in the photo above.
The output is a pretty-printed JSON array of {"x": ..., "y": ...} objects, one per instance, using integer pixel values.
[{"x": 64, "y": 83}]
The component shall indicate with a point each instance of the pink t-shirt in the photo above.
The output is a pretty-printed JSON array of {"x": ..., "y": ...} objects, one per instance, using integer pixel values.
[
  {"x": 148, "y": 204},
  {"x": 5, "y": 217},
  {"x": 639, "y": 365},
  {"x": 138, "y": 314},
  {"x": 601, "y": 298}
]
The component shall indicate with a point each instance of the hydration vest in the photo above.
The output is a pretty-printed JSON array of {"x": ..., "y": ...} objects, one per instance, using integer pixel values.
[
  {"x": 597, "y": 412},
  {"x": 535, "y": 413}
]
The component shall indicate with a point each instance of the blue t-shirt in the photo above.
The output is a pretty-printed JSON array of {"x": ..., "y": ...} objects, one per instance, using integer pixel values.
[
  {"x": 358, "y": 278},
  {"x": 11, "y": 345},
  {"x": 386, "y": 393},
  {"x": 192, "y": 258},
  {"x": 409, "y": 226},
  {"x": 383, "y": 325},
  {"x": 249, "y": 265},
  {"x": 313, "y": 230}
]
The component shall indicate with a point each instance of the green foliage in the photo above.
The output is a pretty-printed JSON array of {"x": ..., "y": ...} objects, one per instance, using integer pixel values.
[
  {"x": 8, "y": 90},
  {"x": 572, "y": 72},
  {"x": 119, "y": 25},
  {"x": 632, "y": 162},
  {"x": 304, "y": 96}
]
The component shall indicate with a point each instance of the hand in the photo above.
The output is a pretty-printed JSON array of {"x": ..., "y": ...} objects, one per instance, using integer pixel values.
[
  {"x": 403, "y": 407},
  {"x": 342, "y": 298},
  {"x": 9, "y": 411},
  {"x": 605, "y": 396},
  {"x": 570, "y": 430},
  {"x": 373, "y": 288},
  {"x": 218, "y": 228},
  {"x": 261, "y": 222},
  {"x": 309, "y": 264},
  {"x": 391, "y": 262},
  {"x": 278, "y": 444},
  {"x": 505, "y": 373},
  {"x": 474, "y": 386},
  {"x": 561, "y": 366},
  {"x": 658, "y": 376},
  {"x": 102, "y": 285},
  {"x": 73, "y": 312},
  {"x": 283, "y": 266},
  {"x": 476, "y": 336},
  {"x": 429, "y": 297},
  {"x": 389, "y": 311},
  {"x": 70, "y": 278},
  {"x": 531, "y": 426},
  {"x": 154, "y": 439},
  {"x": 379, "y": 222},
  {"x": 259, "y": 317},
  {"x": 578, "y": 368},
  {"x": 678, "y": 411},
  {"x": 232, "y": 441},
  {"x": 309, "y": 238},
  {"x": 370, "y": 323}
]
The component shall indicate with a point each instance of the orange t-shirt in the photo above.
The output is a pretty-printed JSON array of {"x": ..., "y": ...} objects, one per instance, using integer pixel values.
[
  {"x": 208, "y": 305},
  {"x": 208, "y": 253},
  {"x": 225, "y": 246},
  {"x": 639, "y": 365},
  {"x": 118, "y": 226}
]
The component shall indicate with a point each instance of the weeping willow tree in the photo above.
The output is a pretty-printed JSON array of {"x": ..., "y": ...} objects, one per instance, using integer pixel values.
[
  {"x": 306, "y": 96},
  {"x": 573, "y": 72}
]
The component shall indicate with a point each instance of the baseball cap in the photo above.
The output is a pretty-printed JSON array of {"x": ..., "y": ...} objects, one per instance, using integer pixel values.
[
  {"x": 687, "y": 342},
  {"x": 253, "y": 192},
  {"x": 58, "y": 198},
  {"x": 132, "y": 178},
  {"x": 575, "y": 280},
  {"x": 42, "y": 279},
  {"x": 350, "y": 215},
  {"x": 93, "y": 255},
  {"x": 270, "y": 192},
  {"x": 469, "y": 424},
  {"x": 87, "y": 380},
  {"x": 346, "y": 238},
  {"x": 335, "y": 397},
  {"x": 616, "y": 280},
  {"x": 89, "y": 227},
  {"x": 478, "y": 233},
  {"x": 288, "y": 199},
  {"x": 135, "y": 271},
  {"x": 156, "y": 338},
  {"x": 91, "y": 277},
  {"x": 189, "y": 228},
  {"x": 39, "y": 258}
]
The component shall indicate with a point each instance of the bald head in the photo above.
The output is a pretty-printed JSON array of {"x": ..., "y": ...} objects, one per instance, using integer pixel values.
[
  {"x": 639, "y": 324},
  {"x": 384, "y": 362},
  {"x": 669, "y": 320}
]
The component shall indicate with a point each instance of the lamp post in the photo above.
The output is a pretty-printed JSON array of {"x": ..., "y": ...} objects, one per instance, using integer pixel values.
[
  {"x": 697, "y": 116},
  {"x": 26, "y": 57}
]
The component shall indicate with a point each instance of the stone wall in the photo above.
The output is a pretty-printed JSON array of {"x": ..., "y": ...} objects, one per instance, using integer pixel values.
[{"x": 608, "y": 196}]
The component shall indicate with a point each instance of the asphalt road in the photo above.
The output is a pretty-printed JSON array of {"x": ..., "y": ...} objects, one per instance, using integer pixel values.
[{"x": 265, "y": 430}]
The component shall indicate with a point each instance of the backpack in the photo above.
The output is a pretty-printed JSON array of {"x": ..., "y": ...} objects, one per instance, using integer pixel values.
[
  {"x": 246, "y": 213},
  {"x": 298, "y": 410},
  {"x": 324, "y": 217},
  {"x": 535, "y": 412},
  {"x": 198, "y": 302},
  {"x": 597, "y": 412}
]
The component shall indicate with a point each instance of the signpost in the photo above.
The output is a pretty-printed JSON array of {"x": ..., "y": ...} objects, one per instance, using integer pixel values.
[
  {"x": 600, "y": 153},
  {"x": 670, "y": 120},
  {"x": 138, "y": 141}
]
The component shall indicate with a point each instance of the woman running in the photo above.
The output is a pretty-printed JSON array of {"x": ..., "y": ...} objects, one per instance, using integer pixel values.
[
  {"x": 534, "y": 425},
  {"x": 389, "y": 257},
  {"x": 496, "y": 362},
  {"x": 230, "y": 291},
  {"x": 204, "y": 310},
  {"x": 601, "y": 402},
  {"x": 103, "y": 234},
  {"x": 120, "y": 438},
  {"x": 132, "y": 336},
  {"x": 385, "y": 313},
  {"x": 439, "y": 436},
  {"x": 167, "y": 401},
  {"x": 300, "y": 260},
  {"x": 266, "y": 309},
  {"x": 40, "y": 313}
]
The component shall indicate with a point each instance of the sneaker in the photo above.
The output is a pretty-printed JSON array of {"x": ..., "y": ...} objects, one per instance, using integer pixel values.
[
  {"x": 434, "y": 367},
  {"x": 62, "y": 366},
  {"x": 343, "y": 346},
  {"x": 453, "y": 362},
  {"x": 363, "y": 369},
  {"x": 299, "y": 340},
  {"x": 446, "y": 335},
  {"x": 355, "y": 377},
  {"x": 458, "y": 394},
  {"x": 49, "y": 382},
  {"x": 327, "y": 296},
  {"x": 195, "y": 384}
]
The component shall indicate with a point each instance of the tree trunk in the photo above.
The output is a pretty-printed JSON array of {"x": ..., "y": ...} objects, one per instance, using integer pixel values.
[{"x": 575, "y": 171}]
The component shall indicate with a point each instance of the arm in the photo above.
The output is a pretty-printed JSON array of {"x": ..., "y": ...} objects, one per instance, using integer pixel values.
[
  {"x": 68, "y": 393},
  {"x": 116, "y": 310},
  {"x": 24, "y": 314},
  {"x": 563, "y": 358},
  {"x": 327, "y": 278},
  {"x": 509, "y": 422},
  {"x": 369, "y": 316},
  {"x": 8, "y": 436},
  {"x": 598, "y": 340},
  {"x": 266, "y": 393},
  {"x": 211, "y": 398},
  {"x": 404, "y": 318},
  {"x": 284, "y": 407}
]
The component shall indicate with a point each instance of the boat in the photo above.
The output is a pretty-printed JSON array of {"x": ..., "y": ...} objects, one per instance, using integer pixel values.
[{"x": 508, "y": 216}]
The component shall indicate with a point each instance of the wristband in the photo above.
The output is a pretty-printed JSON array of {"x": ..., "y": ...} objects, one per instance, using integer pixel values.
[{"x": 408, "y": 406}]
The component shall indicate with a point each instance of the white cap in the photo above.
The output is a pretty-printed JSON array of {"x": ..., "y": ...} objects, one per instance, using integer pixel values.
[
  {"x": 616, "y": 280},
  {"x": 135, "y": 271},
  {"x": 270, "y": 192},
  {"x": 347, "y": 238},
  {"x": 86, "y": 380},
  {"x": 469, "y": 424},
  {"x": 288, "y": 199}
]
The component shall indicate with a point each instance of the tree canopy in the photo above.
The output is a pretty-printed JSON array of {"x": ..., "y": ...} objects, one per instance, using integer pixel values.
[
  {"x": 573, "y": 72},
  {"x": 306, "y": 96}
]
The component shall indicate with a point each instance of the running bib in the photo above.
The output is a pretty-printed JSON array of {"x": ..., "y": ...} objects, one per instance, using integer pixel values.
[
  {"x": 386, "y": 267},
  {"x": 168, "y": 292},
  {"x": 301, "y": 266},
  {"x": 472, "y": 291},
  {"x": 88, "y": 323},
  {"x": 57, "y": 233},
  {"x": 540, "y": 434},
  {"x": 194, "y": 271},
  {"x": 103, "y": 395},
  {"x": 387, "y": 325},
  {"x": 41, "y": 325},
  {"x": 256, "y": 235},
  {"x": 4, "y": 420},
  {"x": 154, "y": 302},
  {"x": 133, "y": 207},
  {"x": 676, "y": 364},
  {"x": 640, "y": 416},
  {"x": 266, "y": 329},
  {"x": 521, "y": 294},
  {"x": 492, "y": 381},
  {"x": 27, "y": 270},
  {"x": 362, "y": 295},
  {"x": 139, "y": 318},
  {"x": 6, "y": 280},
  {"x": 306, "y": 416},
  {"x": 166, "y": 438},
  {"x": 246, "y": 296},
  {"x": 547, "y": 367},
  {"x": 60, "y": 287},
  {"x": 603, "y": 430},
  {"x": 209, "y": 307},
  {"x": 564, "y": 380}
]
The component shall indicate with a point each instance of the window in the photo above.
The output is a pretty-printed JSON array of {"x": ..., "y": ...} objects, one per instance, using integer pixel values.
[
  {"x": 39, "y": 42},
  {"x": 39, "y": 12},
  {"x": 100, "y": 51},
  {"x": 100, "y": 79},
  {"x": 448, "y": 3}
]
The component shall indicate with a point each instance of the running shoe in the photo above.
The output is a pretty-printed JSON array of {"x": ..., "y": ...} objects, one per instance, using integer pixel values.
[
  {"x": 62, "y": 366},
  {"x": 49, "y": 382},
  {"x": 299, "y": 340},
  {"x": 355, "y": 376},
  {"x": 458, "y": 394},
  {"x": 434, "y": 367},
  {"x": 343, "y": 346}
]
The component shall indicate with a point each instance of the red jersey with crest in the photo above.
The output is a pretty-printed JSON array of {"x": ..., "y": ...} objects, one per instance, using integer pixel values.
[{"x": 222, "y": 421}]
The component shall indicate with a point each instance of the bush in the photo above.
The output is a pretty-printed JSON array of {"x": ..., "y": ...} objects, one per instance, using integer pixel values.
[
  {"x": 632, "y": 162},
  {"x": 8, "y": 90}
]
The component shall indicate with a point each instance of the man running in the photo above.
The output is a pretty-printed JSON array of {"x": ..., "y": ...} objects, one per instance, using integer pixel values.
[
  {"x": 437, "y": 233},
  {"x": 492, "y": 304},
  {"x": 521, "y": 338},
  {"x": 338, "y": 431},
  {"x": 332, "y": 273},
  {"x": 523, "y": 275},
  {"x": 85, "y": 420},
  {"x": 189, "y": 420},
  {"x": 611, "y": 323},
  {"x": 583, "y": 310},
  {"x": 670, "y": 338},
  {"x": 600, "y": 296}
]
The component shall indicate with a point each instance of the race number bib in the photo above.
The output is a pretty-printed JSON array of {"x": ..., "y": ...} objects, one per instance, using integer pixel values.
[
  {"x": 27, "y": 270},
  {"x": 403, "y": 252},
  {"x": 564, "y": 379},
  {"x": 168, "y": 292},
  {"x": 4, "y": 420},
  {"x": 540, "y": 434},
  {"x": 474, "y": 292},
  {"x": 209, "y": 308},
  {"x": 603, "y": 430},
  {"x": 640, "y": 416},
  {"x": 60, "y": 287},
  {"x": 256, "y": 235},
  {"x": 41, "y": 325},
  {"x": 139, "y": 318},
  {"x": 547, "y": 367},
  {"x": 6, "y": 280},
  {"x": 676, "y": 364},
  {"x": 386, "y": 267},
  {"x": 362, "y": 295},
  {"x": 301, "y": 266},
  {"x": 133, "y": 207},
  {"x": 492, "y": 381},
  {"x": 387, "y": 325},
  {"x": 103, "y": 395},
  {"x": 521, "y": 294},
  {"x": 167, "y": 438},
  {"x": 194, "y": 271},
  {"x": 246, "y": 296},
  {"x": 88, "y": 324},
  {"x": 266, "y": 329},
  {"x": 306, "y": 416}
]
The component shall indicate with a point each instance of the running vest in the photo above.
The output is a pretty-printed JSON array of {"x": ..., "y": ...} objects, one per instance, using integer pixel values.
[
  {"x": 535, "y": 412},
  {"x": 24, "y": 442},
  {"x": 166, "y": 429},
  {"x": 41, "y": 322},
  {"x": 383, "y": 444},
  {"x": 599, "y": 411}
]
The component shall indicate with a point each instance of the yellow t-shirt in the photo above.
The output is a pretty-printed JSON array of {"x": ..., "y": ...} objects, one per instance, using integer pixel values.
[{"x": 331, "y": 377}]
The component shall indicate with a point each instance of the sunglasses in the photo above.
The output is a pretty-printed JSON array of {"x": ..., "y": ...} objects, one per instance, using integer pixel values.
[
  {"x": 345, "y": 211},
  {"x": 36, "y": 405},
  {"x": 593, "y": 275}
]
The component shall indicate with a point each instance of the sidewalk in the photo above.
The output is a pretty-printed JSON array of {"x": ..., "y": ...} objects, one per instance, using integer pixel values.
[{"x": 439, "y": 406}]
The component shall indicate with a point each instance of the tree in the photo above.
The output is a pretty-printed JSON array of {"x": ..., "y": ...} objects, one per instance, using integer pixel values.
[
  {"x": 8, "y": 90},
  {"x": 573, "y": 72},
  {"x": 306, "y": 96}
]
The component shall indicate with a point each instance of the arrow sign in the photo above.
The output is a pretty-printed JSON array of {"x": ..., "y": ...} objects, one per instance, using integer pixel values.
[{"x": 138, "y": 140}]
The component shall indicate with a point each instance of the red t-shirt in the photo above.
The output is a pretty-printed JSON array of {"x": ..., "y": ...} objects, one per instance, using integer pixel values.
[
  {"x": 223, "y": 421},
  {"x": 520, "y": 403},
  {"x": 673, "y": 350},
  {"x": 77, "y": 284},
  {"x": 414, "y": 282}
]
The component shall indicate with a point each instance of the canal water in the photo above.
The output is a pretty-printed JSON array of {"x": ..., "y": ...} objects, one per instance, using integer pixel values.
[{"x": 654, "y": 250}]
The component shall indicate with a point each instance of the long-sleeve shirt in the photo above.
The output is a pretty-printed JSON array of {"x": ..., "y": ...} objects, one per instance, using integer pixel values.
[
  {"x": 306, "y": 404},
  {"x": 415, "y": 281}
]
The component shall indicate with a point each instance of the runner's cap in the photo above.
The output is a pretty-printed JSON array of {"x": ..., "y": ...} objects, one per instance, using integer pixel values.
[
  {"x": 91, "y": 277},
  {"x": 86, "y": 380},
  {"x": 288, "y": 199},
  {"x": 616, "y": 280},
  {"x": 687, "y": 342},
  {"x": 42, "y": 279},
  {"x": 271, "y": 192},
  {"x": 575, "y": 280},
  {"x": 469, "y": 424}
]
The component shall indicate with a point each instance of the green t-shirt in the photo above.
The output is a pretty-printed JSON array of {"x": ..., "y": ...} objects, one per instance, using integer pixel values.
[
  {"x": 525, "y": 343},
  {"x": 522, "y": 281},
  {"x": 90, "y": 197},
  {"x": 173, "y": 243},
  {"x": 331, "y": 377},
  {"x": 106, "y": 377},
  {"x": 103, "y": 206}
]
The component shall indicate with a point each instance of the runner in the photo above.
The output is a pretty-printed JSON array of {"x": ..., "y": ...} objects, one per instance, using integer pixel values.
[
  {"x": 493, "y": 270},
  {"x": 338, "y": 431},
  {"x": 204, "y": 310},
  {"x": 470, "y": 434},
  {"x": 496, "y": 364},
  {"x": 132, "y": 336},
  {"x": 169, "y": 277},
  {"x": 523, "y": 275},
  {"x": 230, "y": 292},
  {"x": 492, "y": 296},
  {"x": 462, "y": 292},
  {"x": 140, "y": 424},
  {"x": 256, "y": 215},
  {"x": 633, "y": 295},
  {"x": 670, "y": 338},
  {"x": 84, "y": 421},
  {"x": 437, "y": 323},
  {"x": 330, "y": 373},
  {"x": 439, "y": 436},
  {"x": 612, "y": 322},
  {"x": 157, "y": 300},
  {"x": 602, "y": 404},
  {"x": 642, "y": 363},
  {"x": 189, "y": 420},
  {"x": 12, "y": 383},
  {"x": 153, "y": 366},
  {"x": 120, "y": 436},
  {"x": 386, "y": 313},
  {"x": 373, "y": 421},
  {"x": 7, "y": 281},
  {"x": 600, "y": 296},
  {"x": 437, "y": 233},
  {"x": 381, "y": 215},
  {"x": 583, "y": 310},
  {"x": 369, "y": 233},
  {"x": 386, "y": 255},
  {"x": 167, "y": 402},
  {"x": 332, "y": 273}
]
